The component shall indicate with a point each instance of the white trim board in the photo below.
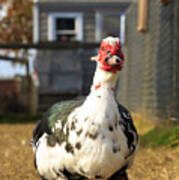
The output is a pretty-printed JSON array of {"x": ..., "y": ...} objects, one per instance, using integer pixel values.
[
  {"x": 98, "y": 26},
  {"x": 78, "y": 24},
  {"x": 36, "y": 23}
]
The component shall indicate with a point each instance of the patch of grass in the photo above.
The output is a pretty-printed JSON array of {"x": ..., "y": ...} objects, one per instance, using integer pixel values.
[
  {"x": 143, "y": 124},
  {"x": 19, "y": 118},
  {"x": 165, "y": 135}
]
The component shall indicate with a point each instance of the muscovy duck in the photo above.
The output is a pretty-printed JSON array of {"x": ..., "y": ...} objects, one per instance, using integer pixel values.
[{"x": 92, "y": 138}]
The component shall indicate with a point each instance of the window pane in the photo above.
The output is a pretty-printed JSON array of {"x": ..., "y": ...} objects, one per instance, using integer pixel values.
[{"x": 65, "y": 24}]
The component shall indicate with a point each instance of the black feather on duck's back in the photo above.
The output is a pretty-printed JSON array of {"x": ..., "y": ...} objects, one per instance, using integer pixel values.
[{"x": 58, "y": 111}]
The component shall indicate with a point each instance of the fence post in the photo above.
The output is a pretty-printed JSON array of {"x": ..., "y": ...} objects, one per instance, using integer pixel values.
[{"x": 31, "y": 98}]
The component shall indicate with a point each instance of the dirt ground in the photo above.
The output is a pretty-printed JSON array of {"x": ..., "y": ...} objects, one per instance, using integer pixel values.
[{"x": 16, "y": 158}]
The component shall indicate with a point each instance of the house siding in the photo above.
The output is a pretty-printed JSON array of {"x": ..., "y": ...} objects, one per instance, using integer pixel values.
[
  {"x": 87, "y": 9},
  {"x": 43, "y": 26}
]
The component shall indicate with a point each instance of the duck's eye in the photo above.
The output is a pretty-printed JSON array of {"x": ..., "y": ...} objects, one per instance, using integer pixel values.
[
  {"x": 106, "y": 59},
  {"x": 118, "y": 54}
]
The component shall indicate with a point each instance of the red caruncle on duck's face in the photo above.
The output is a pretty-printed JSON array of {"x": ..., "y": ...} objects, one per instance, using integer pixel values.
[{"x": 111, "y": 57}]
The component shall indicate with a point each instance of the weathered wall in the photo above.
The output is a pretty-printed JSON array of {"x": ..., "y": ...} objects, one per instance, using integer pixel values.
[
  {"x": 63, "y": 77},
  {"x": 149, "y": 81},
  {"x": 62, "y": 74}
]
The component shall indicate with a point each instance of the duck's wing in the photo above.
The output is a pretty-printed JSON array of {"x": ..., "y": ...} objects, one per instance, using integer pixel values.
[
  {"x": 59, "y": 111},
  {"x": 129, "y": 129}
]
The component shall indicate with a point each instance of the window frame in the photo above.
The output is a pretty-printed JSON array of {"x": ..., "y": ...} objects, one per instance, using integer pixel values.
[{"x": 52, "y": 24}]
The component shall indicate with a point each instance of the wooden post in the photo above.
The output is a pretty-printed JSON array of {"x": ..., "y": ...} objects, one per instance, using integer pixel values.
[
  {"x": 28, "y": 85},
  {"x": 142, "y": 15},
  {"x": 30, "y": 92}
]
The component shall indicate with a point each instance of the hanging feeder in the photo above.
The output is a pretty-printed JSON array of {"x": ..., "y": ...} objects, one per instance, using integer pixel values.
[{"x": 165, "y": 2}]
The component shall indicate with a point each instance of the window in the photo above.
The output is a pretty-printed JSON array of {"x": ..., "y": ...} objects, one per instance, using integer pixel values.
[{"x": 65, "y": 27}]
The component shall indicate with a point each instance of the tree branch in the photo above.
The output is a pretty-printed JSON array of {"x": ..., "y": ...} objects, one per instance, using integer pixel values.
[{"x": 11, "y": 59}]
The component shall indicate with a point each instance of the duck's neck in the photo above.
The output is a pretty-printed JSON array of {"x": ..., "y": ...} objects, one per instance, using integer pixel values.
[{"x": 104, "y": 81}]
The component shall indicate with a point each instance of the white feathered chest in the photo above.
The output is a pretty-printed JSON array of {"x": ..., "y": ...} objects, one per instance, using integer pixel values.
[
  {"x": 96, "y": 146},
  {"x": 103, "y": 145}
]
